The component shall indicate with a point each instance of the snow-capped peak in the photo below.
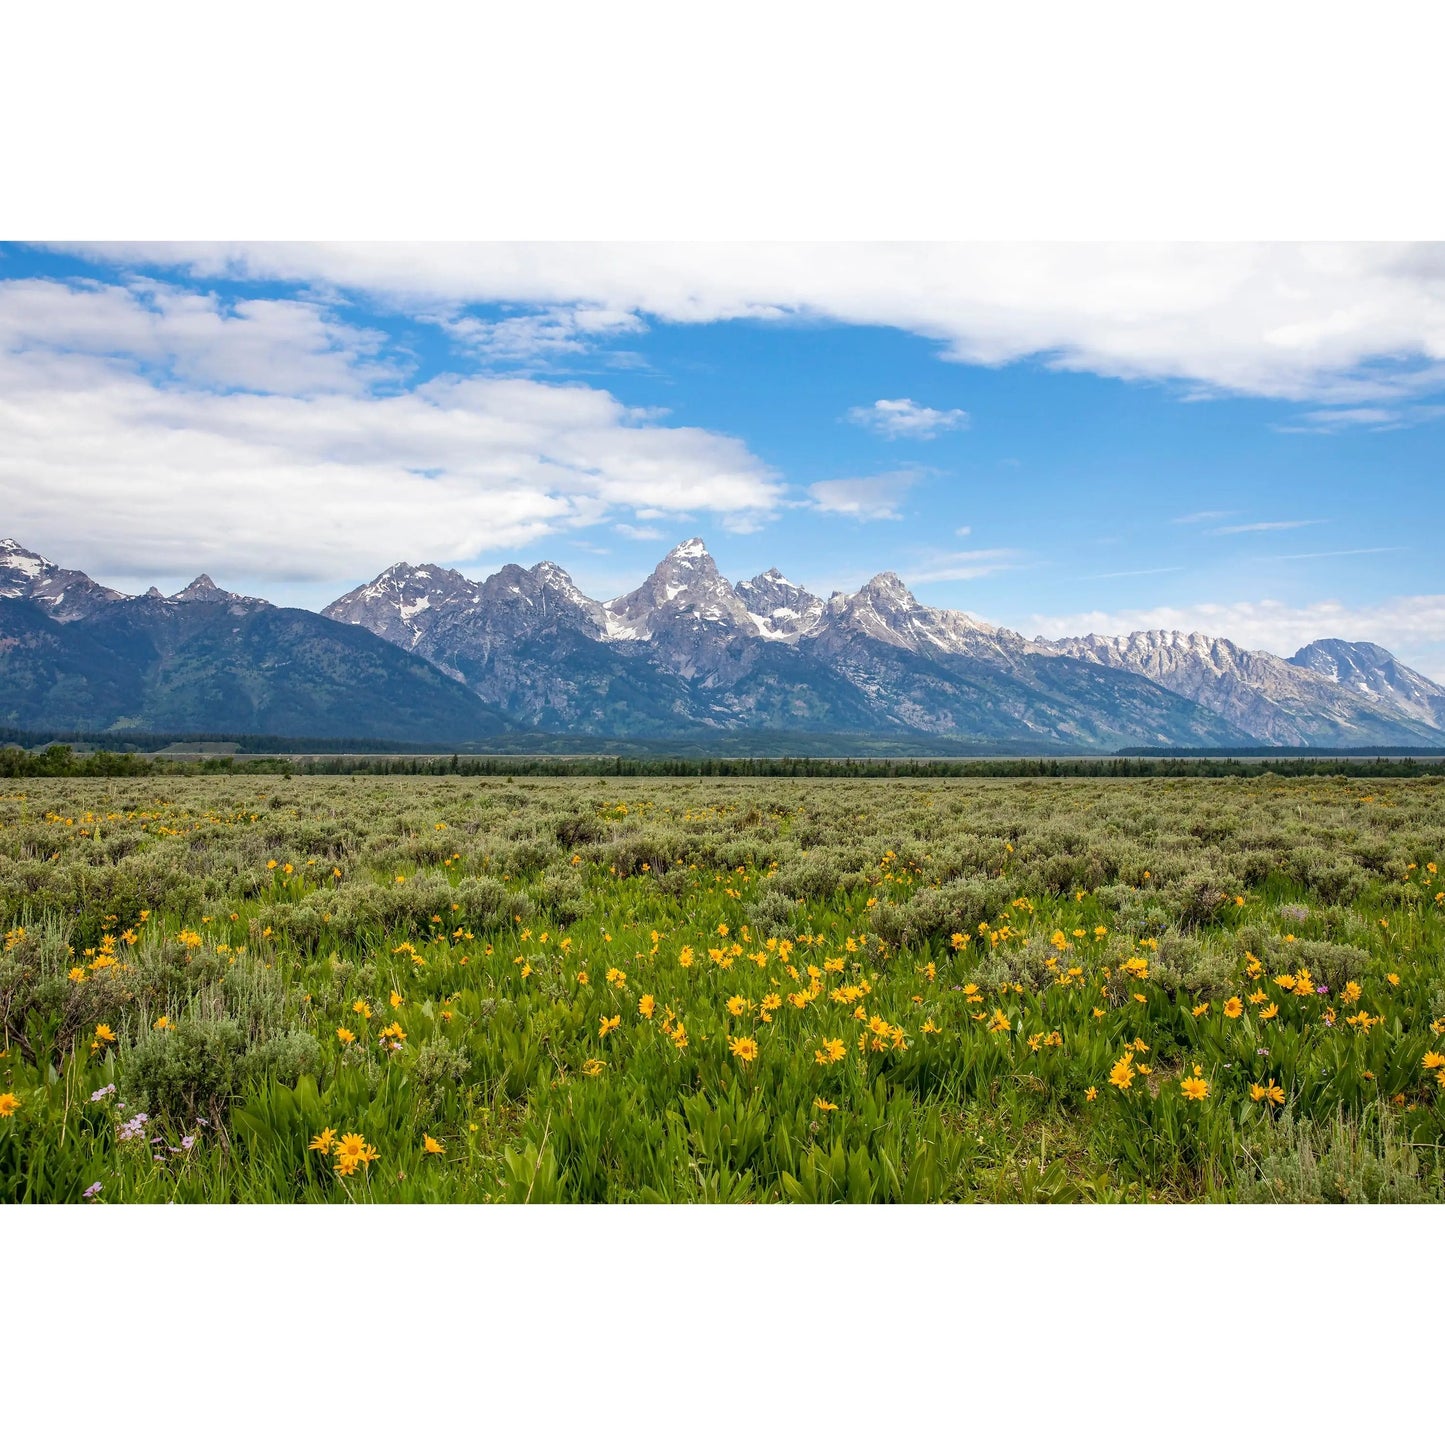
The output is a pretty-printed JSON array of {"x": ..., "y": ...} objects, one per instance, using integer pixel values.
[
  {"x": 15, "y": 558},
  {"x": 64, "y": 594}
]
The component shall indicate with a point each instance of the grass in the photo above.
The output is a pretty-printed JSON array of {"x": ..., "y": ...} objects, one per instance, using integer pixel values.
[{"x": 721, "y": 989}]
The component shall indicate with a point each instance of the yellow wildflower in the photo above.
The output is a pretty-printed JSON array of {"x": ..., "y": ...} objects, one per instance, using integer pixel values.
[{"x": 352, "y": 1152}]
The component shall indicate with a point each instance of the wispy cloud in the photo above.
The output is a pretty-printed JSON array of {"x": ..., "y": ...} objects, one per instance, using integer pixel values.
[
  {"x": 1310, "y": 556},
  {"x": 873, "y": 499},
  {"x": 538, "y": 336},
  {"x": 907, "y": 419},
  {"x": 1142, "y": 572},
  {"x": 1242, "y": 527},
  {"x": 1372, "y": 418},
  {"x": 966, "y": 566},
  {"x": 1195, "y": 517}
]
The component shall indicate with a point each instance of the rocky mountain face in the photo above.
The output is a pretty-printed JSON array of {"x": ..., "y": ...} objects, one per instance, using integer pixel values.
[
  {"x": 1373, "y": 673},
  {"x": 76, "y": 655},
  {"x": 1272, "y": 700},
  {"x": 780, "y": 610},
  {"x": 59, "y": 593},
  {"x": 423, "y": 653},
  {"x": 689, "y": 653}
]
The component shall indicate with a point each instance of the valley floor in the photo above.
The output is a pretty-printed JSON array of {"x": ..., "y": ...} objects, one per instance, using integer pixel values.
[{"x": 614, "y": 989}]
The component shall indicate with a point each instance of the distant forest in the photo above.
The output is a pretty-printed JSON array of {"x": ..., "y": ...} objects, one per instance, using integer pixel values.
[{"x": 61, "y": 760}]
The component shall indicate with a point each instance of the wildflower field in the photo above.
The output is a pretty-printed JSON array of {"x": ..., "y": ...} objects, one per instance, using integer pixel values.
[{"x": 331, "y": 989}]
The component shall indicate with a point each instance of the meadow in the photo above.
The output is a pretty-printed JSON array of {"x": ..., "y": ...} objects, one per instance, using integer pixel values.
[{"x": 321, "y": 989}]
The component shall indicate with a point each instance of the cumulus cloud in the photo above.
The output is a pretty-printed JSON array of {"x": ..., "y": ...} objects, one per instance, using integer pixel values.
[
  {"x": 1413, "y": 628},
  {"x": 134, "y": 441},
  {"x": 905, "y": 418},
  {"x": 1336, "y": 325},
  {"x": 281, "y": 346},
  {"x": 872, "y": 499}
]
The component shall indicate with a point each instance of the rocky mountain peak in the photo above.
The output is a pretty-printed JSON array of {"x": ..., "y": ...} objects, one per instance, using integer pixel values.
[
  {"x": 780, "y": 610},
  {"x": 557, "y": 582},
  {"x": 1368, "y": 670},
  {"x": 202, "y": 589},
  {"x": 685, "y": 588},
  {"x": 63, "y": 593},
  {"x": 394, "y": 605},
  {"x": 20, "y": 562}
]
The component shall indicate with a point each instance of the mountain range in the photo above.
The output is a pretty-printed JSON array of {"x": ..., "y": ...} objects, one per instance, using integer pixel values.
[{"x": 425, "y": 654}]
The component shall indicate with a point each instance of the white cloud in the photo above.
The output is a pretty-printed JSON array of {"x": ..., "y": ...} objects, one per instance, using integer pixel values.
[
  {"x": 1413, "y": 628},
  {"x": 873, "y": 499},
  {"x": 1312, "y": 556},
  {"x": 1137, "y": 572},
  {"x": 118, "y": 455},
  {"x": 283, "y": 347},
  {"x": 1373, "y": 418},
  {"x": 905, "y": 418},
  {"x": 1195, "y": 517},
  {"x": 639, "y": 534},
  {"x": 966, "y": 566},
  {"x": 1341, "y": 325},
  {"x": 1241, "y": 527},
  {"x": 539, "y": 336}
]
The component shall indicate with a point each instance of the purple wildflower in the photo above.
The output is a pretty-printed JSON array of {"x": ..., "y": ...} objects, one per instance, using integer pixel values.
[
  {"x": 134, "y": 1128},
  {"x": 100, "y": 1093},
  {"x": 1323, "y": 988},
  {"x": 1262, "y": 1051},
  {"x": 188, "y": 1141},
  {"x": 94, "y": 1188}
]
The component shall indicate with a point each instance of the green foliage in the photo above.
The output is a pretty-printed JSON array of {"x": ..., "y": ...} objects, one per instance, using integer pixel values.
[
  {"x": 618, "y": 989},
  {"x": 1365, "y": 1159}
]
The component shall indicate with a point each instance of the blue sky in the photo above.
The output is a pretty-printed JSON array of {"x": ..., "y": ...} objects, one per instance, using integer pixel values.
[{"x": 1244, "y": 440}]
